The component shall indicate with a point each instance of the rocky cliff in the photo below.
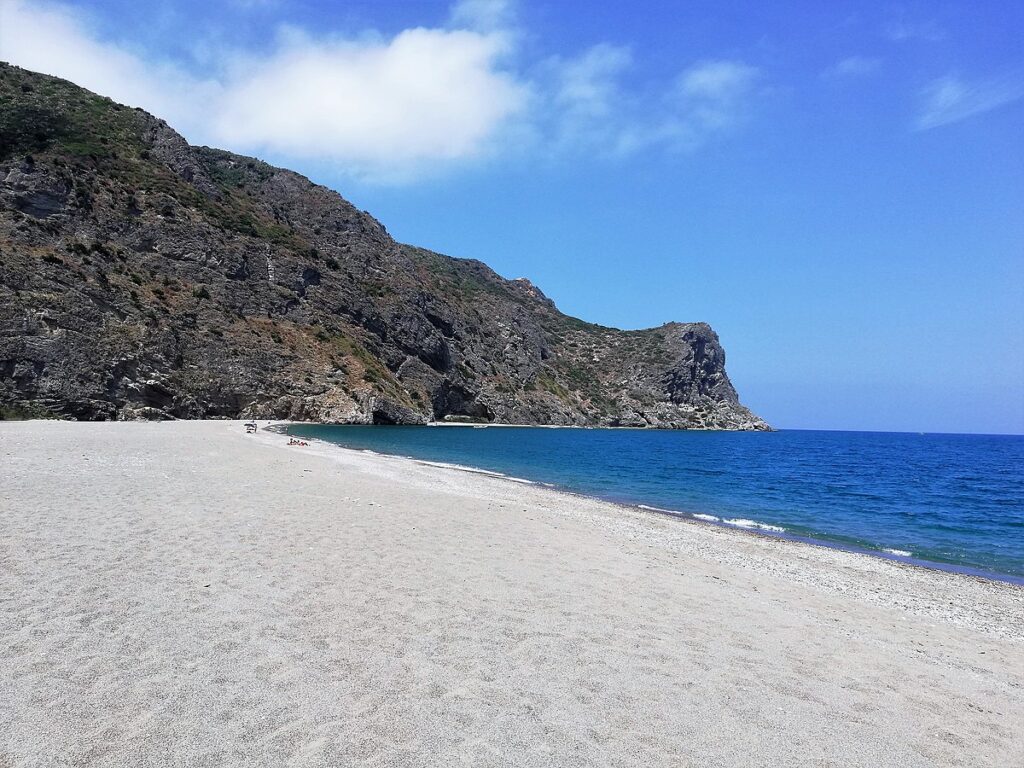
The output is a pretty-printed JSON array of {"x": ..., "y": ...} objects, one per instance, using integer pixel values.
[{"x": 141, "y": 277}]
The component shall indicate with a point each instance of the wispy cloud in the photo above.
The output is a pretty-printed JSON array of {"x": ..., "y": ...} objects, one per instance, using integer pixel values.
[
  {"x": 393, "y": 108},
  {"x": 597, "y": 109},
  {"x": 950, "y": 99},
  {"x": 485, "y": 15},
  {"x": 57, "y": 40},
  {"x": 852, "y": 67},
  {"x": 589, "y": 85},
  {"x": 711, "y": 97},
  {"x": 249, "y": 5},
  {"x": 902, "y": 29},
  {"x": 587, "y": 99}
]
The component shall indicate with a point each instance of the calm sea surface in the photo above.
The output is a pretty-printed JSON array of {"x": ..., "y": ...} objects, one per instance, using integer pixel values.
[{"x": 953, "y": 500}]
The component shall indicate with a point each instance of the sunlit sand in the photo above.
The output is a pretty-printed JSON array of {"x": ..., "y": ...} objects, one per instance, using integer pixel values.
[{"x": 186, "y": 594}]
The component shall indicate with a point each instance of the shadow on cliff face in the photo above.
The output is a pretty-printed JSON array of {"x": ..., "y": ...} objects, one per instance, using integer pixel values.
[{"x": 455, "y": 401}]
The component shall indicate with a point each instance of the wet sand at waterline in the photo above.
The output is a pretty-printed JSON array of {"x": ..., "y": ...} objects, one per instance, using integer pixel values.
[{"x": 186, "y": 594}]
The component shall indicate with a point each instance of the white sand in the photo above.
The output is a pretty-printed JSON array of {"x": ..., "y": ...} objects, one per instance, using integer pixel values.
[{"x": 184, "y": 594}]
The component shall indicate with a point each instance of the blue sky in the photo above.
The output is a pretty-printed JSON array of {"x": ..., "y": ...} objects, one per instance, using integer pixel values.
[{"x": 838, "y": 188}]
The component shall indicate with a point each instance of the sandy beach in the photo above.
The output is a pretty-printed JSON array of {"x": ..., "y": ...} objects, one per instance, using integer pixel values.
[{"x": 182, "y": 593}]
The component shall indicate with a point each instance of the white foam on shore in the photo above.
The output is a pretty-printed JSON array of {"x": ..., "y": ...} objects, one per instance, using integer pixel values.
[
  {"x": 657, "y": 509},
  {"x": 898, "y": 552},
  {"x": 475, "y": 470},
  {"x": 694, "y": 515},
  {"x": 742, "y": 522},
  {"x": 738, "y": 522}
]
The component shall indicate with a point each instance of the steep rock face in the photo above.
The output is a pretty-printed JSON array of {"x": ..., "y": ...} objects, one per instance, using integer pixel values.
[{"x": 141, "y": 277}]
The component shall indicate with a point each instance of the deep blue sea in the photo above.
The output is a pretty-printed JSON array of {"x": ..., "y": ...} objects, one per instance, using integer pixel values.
[{"x": 948, "y": 500}]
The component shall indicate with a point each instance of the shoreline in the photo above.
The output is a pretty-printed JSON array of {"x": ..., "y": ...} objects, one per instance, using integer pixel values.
[
  {"x": 788, "y": 546},
  {"x": 183, "y": 592},
  {"x": 755, "y": 528}
]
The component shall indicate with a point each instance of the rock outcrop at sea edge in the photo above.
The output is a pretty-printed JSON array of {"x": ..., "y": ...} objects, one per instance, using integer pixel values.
[{"x": 141, "y": 277}]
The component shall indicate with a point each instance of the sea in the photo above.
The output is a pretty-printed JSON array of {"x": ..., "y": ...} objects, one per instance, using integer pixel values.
[{"x": 954, "y": 502}]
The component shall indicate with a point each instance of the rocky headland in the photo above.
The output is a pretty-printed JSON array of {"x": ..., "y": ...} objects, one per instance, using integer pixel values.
[{"x": 141, "y": 277}]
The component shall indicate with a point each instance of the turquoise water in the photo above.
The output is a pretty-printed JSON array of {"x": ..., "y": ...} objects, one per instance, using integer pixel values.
[{"x": 948, "y": 500}]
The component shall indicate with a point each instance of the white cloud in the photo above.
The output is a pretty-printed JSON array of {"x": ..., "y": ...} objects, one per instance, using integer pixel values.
[
  {"x": 387, "y": 107},
  {"x": 951, "y": 99},
  {"x": 392, "y": 108},
  {"x": 853, "y": 66}
]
